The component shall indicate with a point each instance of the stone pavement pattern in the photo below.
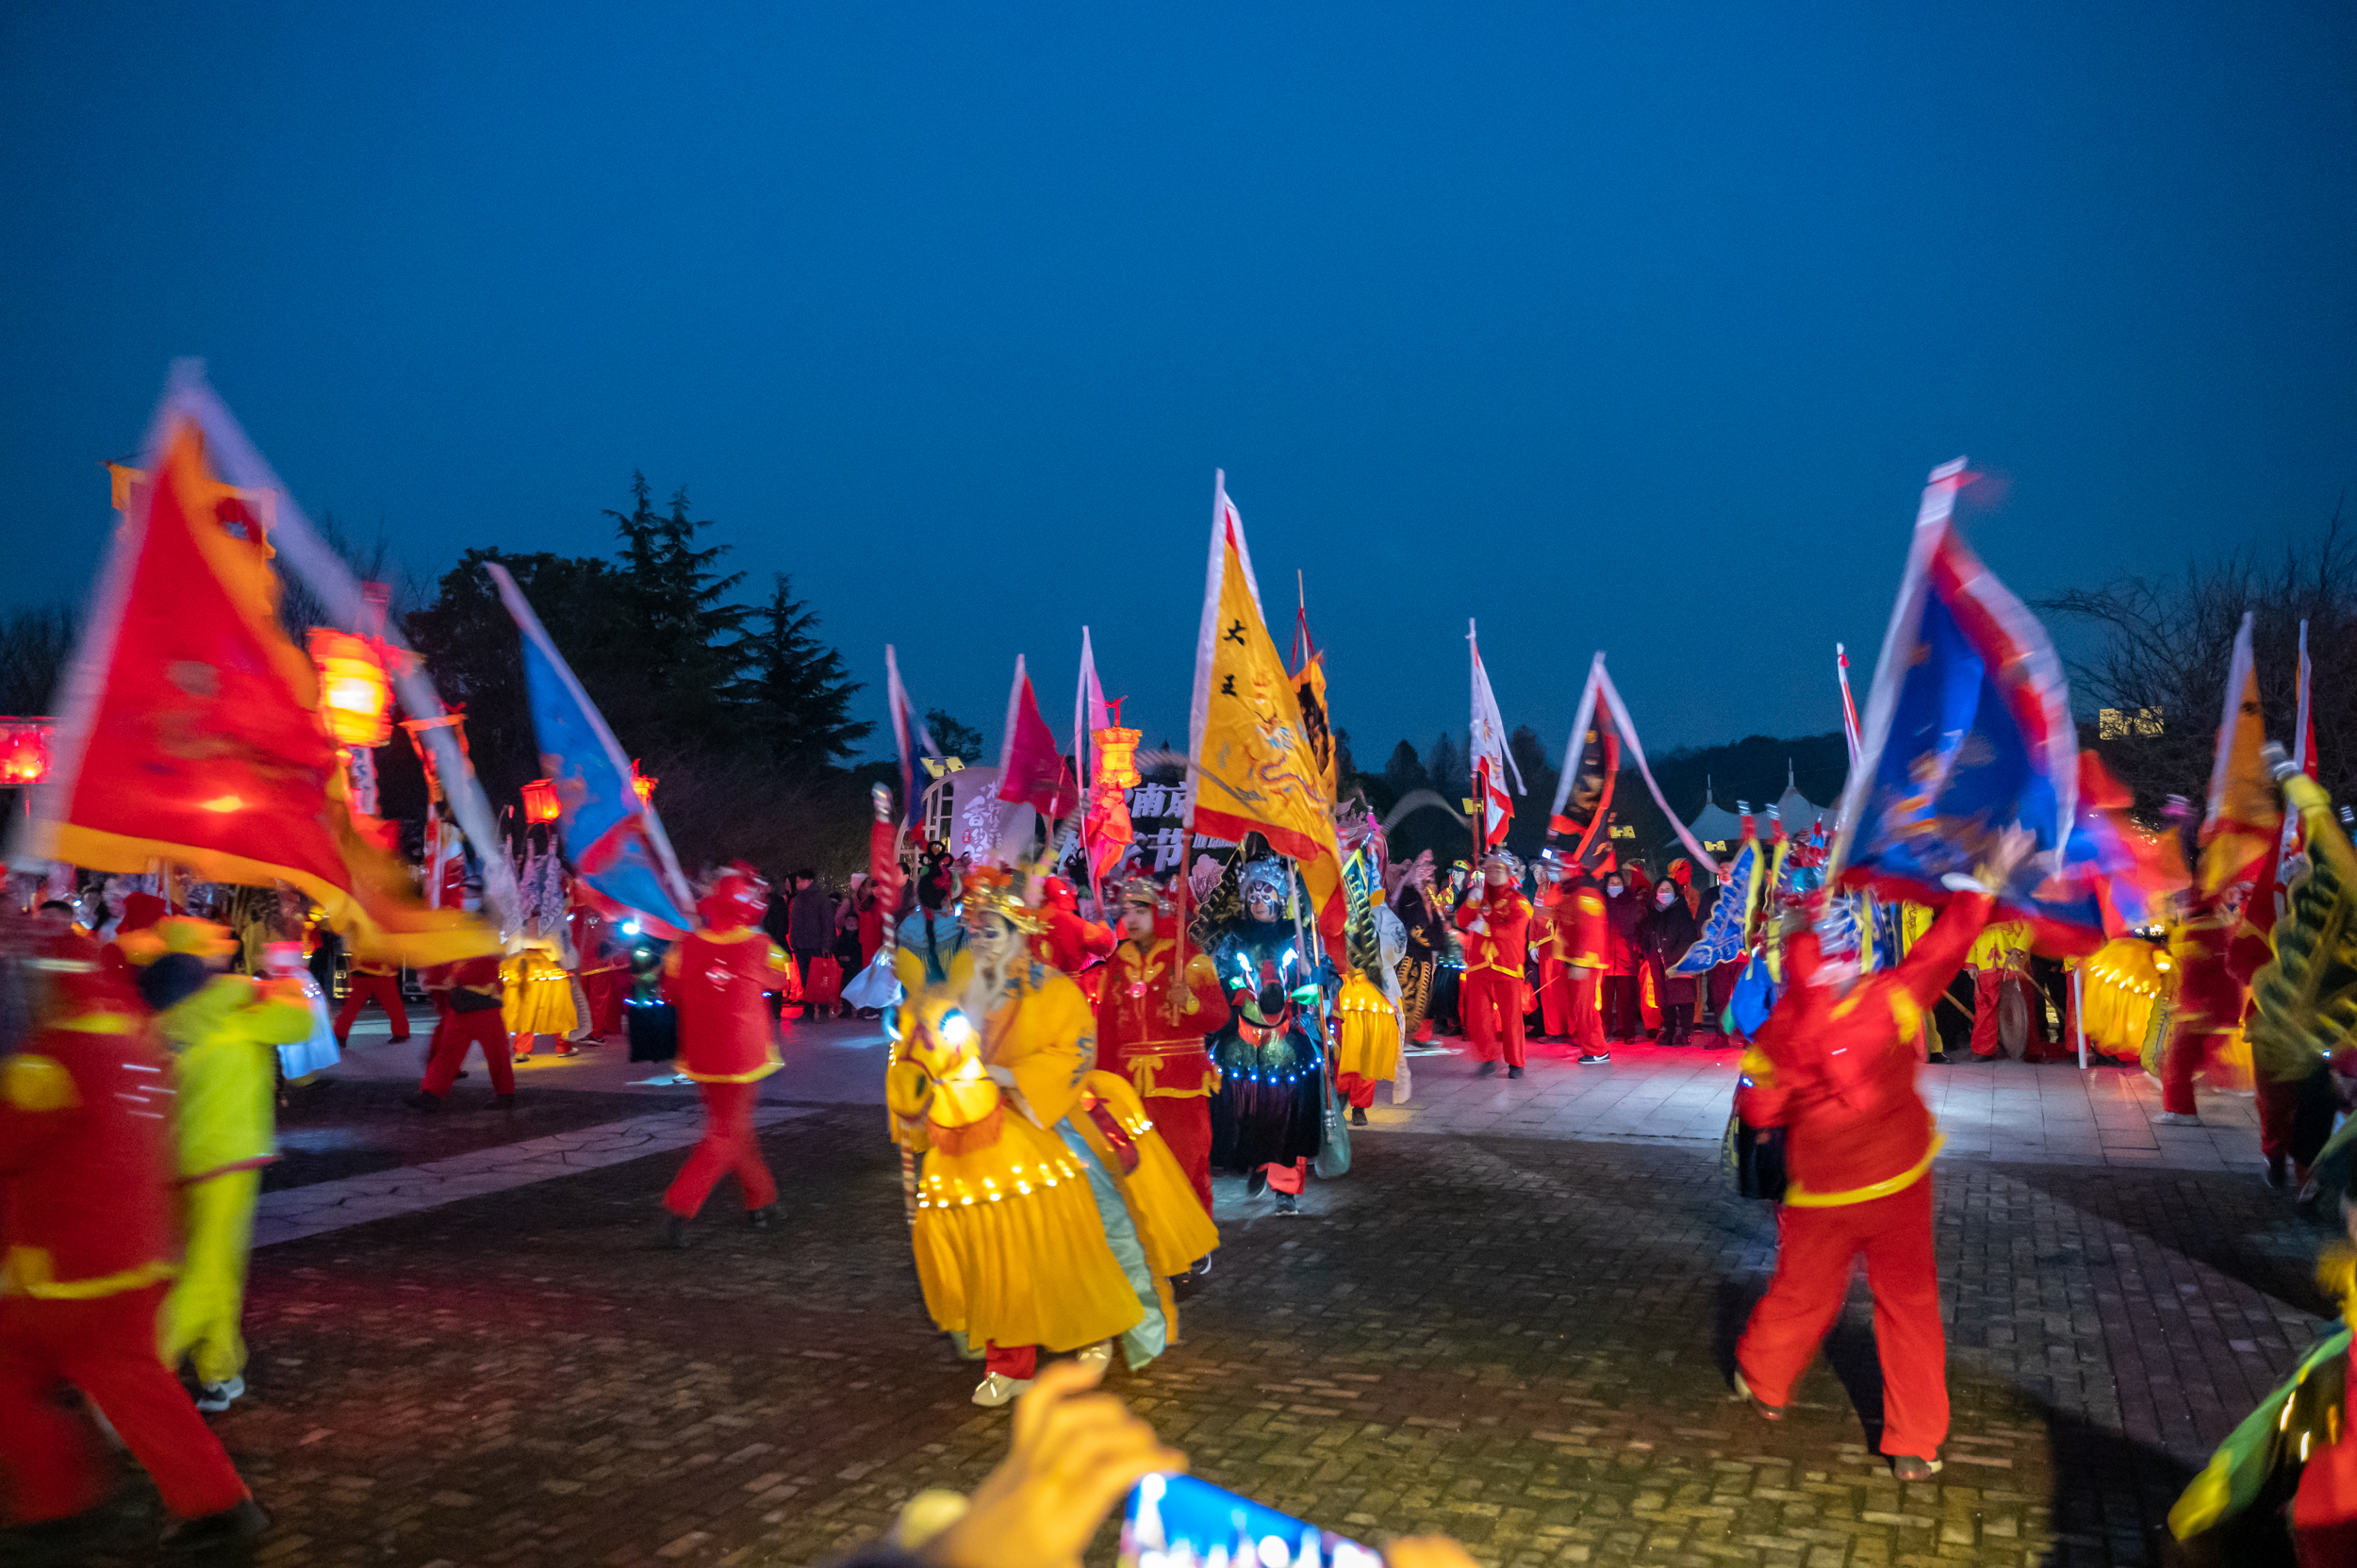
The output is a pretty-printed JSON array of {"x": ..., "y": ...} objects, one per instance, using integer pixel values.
[{"x": 1518, "y": 1341}]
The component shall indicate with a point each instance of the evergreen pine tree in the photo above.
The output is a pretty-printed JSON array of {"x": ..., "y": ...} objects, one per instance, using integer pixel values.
[
  {"x": 798, "y": 690},
  {"x": 692, "y": 639}
]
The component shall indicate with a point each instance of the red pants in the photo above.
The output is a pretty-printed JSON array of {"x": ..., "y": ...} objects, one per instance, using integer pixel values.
[
  {"x": 453, "y": 1034},
  {"x": 1815, "y": 1248},
  {"x": 1185, "y": 1124},
  {"x": 1288, "y": 1179},
  {"x": 1356, "y": 1090},
  {"x": 1020, "y": 1361},
  {"x": 604, "y": 989},
  {"x": 1587, "y": 1026},
  {"x": 106, "y": 1348},
  {"x": 728, "y": 1146},
  {"x": 384, "y": 990},
  {"x": 2185, "y": 1052},
  {"x": 1554, "y": 996},
  {"x": 1493, "y": 1015}
]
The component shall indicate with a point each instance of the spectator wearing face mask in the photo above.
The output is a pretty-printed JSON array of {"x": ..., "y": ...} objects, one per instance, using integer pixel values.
[{"x": 1664, "y": 933}]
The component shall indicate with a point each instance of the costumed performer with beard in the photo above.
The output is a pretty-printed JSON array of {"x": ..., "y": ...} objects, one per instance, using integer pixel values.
[
  {"x": 1152, "y": 1026},
  {"x": 1268, "y": 1118},
  {"x": 1495, "y": 930},
  {"x": 225, "y": 1031},
  {"x": 1834, "y": 1066},
  {"x": 1047, "y": 1212},
  {"x": 716, "y": 976}
]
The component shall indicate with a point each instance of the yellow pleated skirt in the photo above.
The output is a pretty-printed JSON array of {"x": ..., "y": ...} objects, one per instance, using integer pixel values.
[
  {"x": 1010, "y": 1248},
  {"x": 540, "y": 995},
  {"x": 1170, "y": 1218},
  {"x": 1367, "y": 1042}
]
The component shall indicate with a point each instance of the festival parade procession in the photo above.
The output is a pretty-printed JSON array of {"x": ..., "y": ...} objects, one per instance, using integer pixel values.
[{"x": 541, "y": 1025}]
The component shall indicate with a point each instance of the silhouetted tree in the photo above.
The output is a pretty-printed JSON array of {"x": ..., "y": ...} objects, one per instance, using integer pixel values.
[
  {"x": 961, "y": 741},
  {"x": 2160, "y": 648},
  {"x": 798, "y": 694}
]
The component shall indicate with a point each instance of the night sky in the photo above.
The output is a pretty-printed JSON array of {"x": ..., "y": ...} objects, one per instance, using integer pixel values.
[{"x": 1632, "y": 326}]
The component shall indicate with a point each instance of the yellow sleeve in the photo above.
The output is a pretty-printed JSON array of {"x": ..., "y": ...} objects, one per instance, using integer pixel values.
[
  {"x": 280, "y": 1013},
  {"x": 1050, "y": 1046},
  {"x": 29, "y": 1083}
]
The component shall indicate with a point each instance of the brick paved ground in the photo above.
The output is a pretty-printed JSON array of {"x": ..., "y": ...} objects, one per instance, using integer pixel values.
[{"x": 1518, "y": 1341}]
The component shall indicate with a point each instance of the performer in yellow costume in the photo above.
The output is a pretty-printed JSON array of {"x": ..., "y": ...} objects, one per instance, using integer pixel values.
[
  {"x": 1047, "y": 1210},
  {"x": 225, "y": 1031},
  {"x": 538, "y": 998}
]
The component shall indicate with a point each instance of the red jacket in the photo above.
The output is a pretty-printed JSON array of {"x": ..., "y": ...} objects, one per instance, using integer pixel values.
[
  {"x": 86, "y": 1151},
  {"x": 727, "y": 1033},
  {"x": 1507, "y": 943},
  {"x": 1136, "y": 1036},
  {"x": 480, "y": 973},
  {"x": 1587, "y": 939},
  {"x": 1837, "y": 1073}
]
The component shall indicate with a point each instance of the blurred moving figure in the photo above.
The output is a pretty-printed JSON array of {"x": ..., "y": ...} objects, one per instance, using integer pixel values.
[
  {"x": 716, "y": 976},
  {"x": 225, "y": 1031},
  {"x": 85, "y": 1170}
]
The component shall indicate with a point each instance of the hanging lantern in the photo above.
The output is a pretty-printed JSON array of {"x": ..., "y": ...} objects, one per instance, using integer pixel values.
[
  {"x": 1117, "y": 755},
  {"x": 355, "y": 695},
  {"x": 540, "y": 801},
  {"x": 640, "y": 784},
  {"x": 23, "y": 752}
]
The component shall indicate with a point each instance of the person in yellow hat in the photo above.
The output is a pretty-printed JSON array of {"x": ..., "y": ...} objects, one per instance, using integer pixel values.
[{"x": 225, "y": 1031}]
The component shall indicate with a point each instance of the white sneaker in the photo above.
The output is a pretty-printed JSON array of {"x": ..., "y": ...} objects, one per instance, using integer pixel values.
[
  {"x": 2176, "y": 1118},
  {"x": 213, "y": 1398},
  {"x": 998, "y": 1389},
  {"x": 1098, "y": 1357}
]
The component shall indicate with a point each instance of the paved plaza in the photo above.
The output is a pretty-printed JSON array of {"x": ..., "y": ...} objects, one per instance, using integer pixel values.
[{"x": 1511, "y": 1322}]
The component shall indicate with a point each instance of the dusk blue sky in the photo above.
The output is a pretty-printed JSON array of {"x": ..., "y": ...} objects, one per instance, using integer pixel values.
[{"x": 1633, "y": 327}]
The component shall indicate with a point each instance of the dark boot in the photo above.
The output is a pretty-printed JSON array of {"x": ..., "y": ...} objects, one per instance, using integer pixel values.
[{"x": 216, "y": 1532}]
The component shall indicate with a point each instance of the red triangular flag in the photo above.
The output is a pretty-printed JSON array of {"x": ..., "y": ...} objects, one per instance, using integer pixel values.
[{"x": 1032, "y": 771}]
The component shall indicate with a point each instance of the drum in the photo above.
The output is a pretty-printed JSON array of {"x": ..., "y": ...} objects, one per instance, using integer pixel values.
[{"x": 2013, "y": 1017}]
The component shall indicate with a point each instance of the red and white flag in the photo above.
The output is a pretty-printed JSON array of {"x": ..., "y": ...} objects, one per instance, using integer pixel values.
[{"x": 1485, "y": 749}]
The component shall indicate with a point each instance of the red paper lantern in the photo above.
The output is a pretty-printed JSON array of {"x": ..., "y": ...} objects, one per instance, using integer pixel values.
[
  {"x": 23, "y": 752},
  {"x": 355, "y": 694},
  {"x": 540, "y": 801}
]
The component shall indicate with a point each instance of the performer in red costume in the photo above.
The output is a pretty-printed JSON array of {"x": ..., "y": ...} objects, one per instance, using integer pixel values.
[
  {"x": 1551, "y": 933},
  {"x": 1069, "y": 941},
  {"x": 1588, "y": 942},
  {"x": 86, "y": 1163},
  {"x": 471, "y": 994},
  {"x": 1151, "y": 1032},
  {"x": 1834, "y": 1067},
  {"x": 728, "y": 1044},
  {"x": 1496, "y": 931},
  {"x": 373, "y": 981}
]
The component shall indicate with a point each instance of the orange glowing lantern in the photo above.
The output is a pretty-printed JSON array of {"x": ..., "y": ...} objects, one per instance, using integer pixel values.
[
  {"x": 540, "y": 801},
  {"x": 355, "y": 695},
  {"x": 640, "y": 784},
  {"x": 1117, "y": 755},
  {"x": 23, "y": 752}
]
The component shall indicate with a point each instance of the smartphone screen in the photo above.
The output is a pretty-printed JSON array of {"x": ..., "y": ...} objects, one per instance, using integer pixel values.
[{"x": 1179, "y": 1522}]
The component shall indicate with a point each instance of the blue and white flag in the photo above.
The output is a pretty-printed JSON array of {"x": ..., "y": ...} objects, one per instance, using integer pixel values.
[
  {"x": 617, "y": 841},
  {"x": 1968, "y": 731}
]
